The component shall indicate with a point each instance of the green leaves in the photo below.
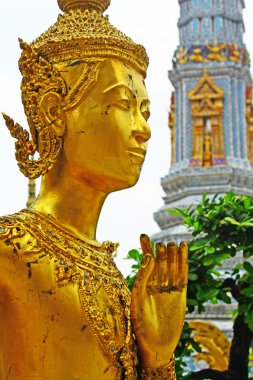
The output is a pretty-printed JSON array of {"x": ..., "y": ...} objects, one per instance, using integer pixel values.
[
  {"x": 205, "y": 293},
  {"x": 193, "y": 276},
  {"x": 229, "y": 220},
  {"x": 222, "y": 227},
  {"x": 209, "y": 249},
  {"x": 248, "y": 267},
  {"x": 176, "y": 211},
  {"x": 135, "y": 255}
]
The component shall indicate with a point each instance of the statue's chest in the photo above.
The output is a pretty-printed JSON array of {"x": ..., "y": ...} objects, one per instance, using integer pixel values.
[
  {"x": 59, "y": 332},
  {"x": 78, "y": 294},
  {"x": 104, "y": 302},
  {"x": 77, "y": 320}
]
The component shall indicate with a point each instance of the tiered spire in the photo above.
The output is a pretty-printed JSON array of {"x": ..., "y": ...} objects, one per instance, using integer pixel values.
[
  {"x": 211, "y": 117},
  {"x": 31, "y": 192},
  {"x": 207, "y": 21},
  {"x": 211, "y": 30}
]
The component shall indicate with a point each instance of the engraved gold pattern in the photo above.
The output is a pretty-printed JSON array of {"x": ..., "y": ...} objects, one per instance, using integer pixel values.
[
  {"x": 91, "y": 268},
  {"x": 215, "y": 344},
  {"x": 162, "y": 373},
  {"x": 210, "y": 52},
  {"x": 98, "y": 5},
  {"x": 207, "y": 106},
  {"x": 87, "y": 34},
  {"x": 249, "y": 121}
]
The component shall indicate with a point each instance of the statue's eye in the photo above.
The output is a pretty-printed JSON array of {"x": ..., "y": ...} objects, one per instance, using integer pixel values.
[
  {"x": 123, "y": 104},
  {"x": 146, "y": 114}
]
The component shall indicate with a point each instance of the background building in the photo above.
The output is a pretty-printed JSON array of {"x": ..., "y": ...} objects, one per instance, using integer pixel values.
[{"x": 210, "y": 119}]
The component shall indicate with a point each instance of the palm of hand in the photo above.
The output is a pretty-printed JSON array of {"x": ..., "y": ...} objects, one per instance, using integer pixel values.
[{"x": 159, "y": 301}]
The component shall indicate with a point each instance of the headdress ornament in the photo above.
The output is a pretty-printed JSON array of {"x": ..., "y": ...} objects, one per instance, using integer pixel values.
[
  {"x": 98, "y": 5},
  {"x": 81, "y": 34}
]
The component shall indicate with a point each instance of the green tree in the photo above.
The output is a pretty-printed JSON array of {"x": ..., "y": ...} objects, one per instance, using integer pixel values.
[{"x": 222, "y": 227}]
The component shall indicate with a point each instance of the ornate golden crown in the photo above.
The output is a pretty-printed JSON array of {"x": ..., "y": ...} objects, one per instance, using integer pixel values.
[{"x": 82, "y": 33}]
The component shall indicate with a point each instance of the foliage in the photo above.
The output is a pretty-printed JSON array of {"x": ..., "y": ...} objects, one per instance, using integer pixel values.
[
  {"x": 222, "y": 227},
  {"x": 135, "y": 255}
]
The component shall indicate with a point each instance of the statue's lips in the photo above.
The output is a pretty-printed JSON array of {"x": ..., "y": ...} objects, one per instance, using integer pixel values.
[{"x": 138, "y": 153}]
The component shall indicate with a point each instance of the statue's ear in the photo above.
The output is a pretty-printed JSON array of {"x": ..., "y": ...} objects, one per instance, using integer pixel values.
[{"x": 52, "y": 112}]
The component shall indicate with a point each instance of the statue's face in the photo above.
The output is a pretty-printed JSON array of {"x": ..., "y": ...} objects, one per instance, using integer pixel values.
[{"x": 107, "y": 133}]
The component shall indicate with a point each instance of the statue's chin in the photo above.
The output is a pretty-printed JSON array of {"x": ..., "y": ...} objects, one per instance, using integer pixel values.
[{"x": 128, "y": 183}]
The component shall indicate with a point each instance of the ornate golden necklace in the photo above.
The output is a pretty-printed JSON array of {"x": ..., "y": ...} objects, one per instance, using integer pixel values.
[{"x": 90, "y": 266}]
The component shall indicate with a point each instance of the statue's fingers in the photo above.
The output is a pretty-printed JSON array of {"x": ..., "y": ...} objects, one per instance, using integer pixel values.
[
  {"x": 183, "y": 264},
  {"x": 147, "y": 265},
  {"x": 161, "y": 266},
  {"x": 146, "y": 246},
  {"x": 172, "y": 257}
]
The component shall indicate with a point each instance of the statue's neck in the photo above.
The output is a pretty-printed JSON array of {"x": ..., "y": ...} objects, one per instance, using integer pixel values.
[{"x": 71, "y": 203}]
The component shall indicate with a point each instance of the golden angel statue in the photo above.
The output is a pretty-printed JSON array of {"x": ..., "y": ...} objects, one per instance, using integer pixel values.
[{"x": 66, "y": 312}]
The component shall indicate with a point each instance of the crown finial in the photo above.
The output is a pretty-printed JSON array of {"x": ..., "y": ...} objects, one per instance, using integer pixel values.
[{"x": 97, "y": 5}]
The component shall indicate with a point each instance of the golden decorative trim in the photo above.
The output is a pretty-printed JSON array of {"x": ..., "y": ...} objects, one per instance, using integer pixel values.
[
  {"x": 249, "y": 122},
  {"x": 91, "y": 268},
  {"x": 39, "y": 78},
  {"x": 219, "y": 52},
  {"x": 26, "y": 148},
  {"x": 172, "y": 126},
  {"x": 85, "y": 35},
  {"x": 162, "y": 373},
  {"x": 207, "y": 117},
  {"x": 98, "y": 5},
  {"x": 215, "y": 343}
]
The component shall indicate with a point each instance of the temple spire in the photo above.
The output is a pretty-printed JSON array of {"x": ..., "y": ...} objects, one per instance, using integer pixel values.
[
  {"x": 211, "y": 110},
  {"x": 31, "y": 192},
  {"x": 207, "y": 21}
]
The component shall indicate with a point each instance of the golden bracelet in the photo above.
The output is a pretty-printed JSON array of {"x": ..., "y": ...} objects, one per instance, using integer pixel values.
[{"x": 166, "y": 372}]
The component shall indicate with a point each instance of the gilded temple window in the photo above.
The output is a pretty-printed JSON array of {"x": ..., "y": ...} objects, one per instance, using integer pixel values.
[
  {"x": 249, "y": 123},
  {"x": 207, "y": 117},
  {"x": 171, "y": 123}
]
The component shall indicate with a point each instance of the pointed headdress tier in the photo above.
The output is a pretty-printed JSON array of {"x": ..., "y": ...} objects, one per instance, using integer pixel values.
[{"x": 82, "y": 32}]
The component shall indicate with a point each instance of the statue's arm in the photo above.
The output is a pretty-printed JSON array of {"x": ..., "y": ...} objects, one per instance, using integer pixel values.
[{"x": 158, "y": 307}]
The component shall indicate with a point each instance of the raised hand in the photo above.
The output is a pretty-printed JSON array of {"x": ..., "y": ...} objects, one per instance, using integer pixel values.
[{"x": 159, "y": 301}]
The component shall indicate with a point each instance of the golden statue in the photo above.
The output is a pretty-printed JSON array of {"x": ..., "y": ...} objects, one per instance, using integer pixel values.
[
  {"x": 182, "y": 56},
  {"x": 215, "y": 345},
  {"x": 235, "y": 53},
  {"x": 196, "y": 55},
  {"x": 66, "y": 312},
  {"x": 215, "y": 51}
]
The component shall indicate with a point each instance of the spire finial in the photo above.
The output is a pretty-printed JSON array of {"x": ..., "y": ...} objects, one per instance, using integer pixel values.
[
  {"x": 31, "y": 192},
  {"x": 96, "y": 5}
]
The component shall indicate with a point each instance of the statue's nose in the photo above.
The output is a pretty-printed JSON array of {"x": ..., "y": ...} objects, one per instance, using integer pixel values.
[{"x": 141, "y": 131}]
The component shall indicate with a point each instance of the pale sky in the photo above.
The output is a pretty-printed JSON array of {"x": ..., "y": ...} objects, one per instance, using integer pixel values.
[{"x": 128, "y": 213}]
